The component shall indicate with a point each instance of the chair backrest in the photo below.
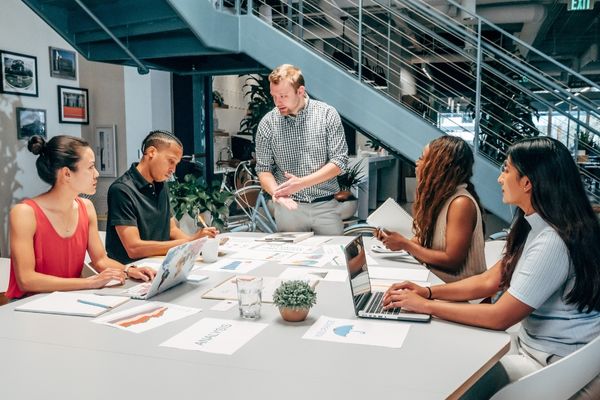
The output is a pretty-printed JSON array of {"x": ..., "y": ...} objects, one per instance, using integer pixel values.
[{"x": 557, "y": 381}]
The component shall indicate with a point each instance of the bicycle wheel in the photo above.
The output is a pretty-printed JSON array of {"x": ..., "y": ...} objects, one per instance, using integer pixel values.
[{"x": 360, "y": 229}]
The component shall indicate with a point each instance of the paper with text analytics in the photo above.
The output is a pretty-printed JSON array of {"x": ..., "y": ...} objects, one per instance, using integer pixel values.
[
  {"x": 146, "y": 316},
  {"x": 72, "y": 303},
  {"x": 392, "y": 217},
  {"x": 214, "y": 335},
  {"x": 355, "y": 331}
]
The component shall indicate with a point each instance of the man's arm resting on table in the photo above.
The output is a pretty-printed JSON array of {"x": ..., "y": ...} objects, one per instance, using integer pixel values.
[{"x": 137, "y": 248}]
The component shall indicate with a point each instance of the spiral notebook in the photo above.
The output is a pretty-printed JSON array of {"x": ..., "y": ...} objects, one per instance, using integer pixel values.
[{"x": 72, "y": 303}]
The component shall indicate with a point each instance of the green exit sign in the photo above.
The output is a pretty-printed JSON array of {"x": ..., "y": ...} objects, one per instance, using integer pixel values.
[{"x": 579, "y": 5}]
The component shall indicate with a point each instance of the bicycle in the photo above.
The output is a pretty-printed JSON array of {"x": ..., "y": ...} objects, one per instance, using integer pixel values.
[{"x": 250, "y": 202}]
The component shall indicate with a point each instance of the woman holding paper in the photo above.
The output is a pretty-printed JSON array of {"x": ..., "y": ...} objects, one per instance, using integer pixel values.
[
  {"x": 50, "y": 233},
  {"x": 447, "y": 223},
  {"x": 549, "y": 273}
]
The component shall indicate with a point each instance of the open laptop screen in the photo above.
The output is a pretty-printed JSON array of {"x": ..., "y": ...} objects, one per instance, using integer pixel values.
[{"x": 356, "y": 261}]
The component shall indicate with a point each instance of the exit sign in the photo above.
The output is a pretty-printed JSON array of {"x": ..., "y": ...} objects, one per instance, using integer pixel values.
[{"x": 579, "y": 5}]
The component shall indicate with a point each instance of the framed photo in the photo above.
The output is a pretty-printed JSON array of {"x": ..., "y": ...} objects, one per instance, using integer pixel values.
[
  {"x": 30, "y": 122},
  {"x": 19, "y": 74},
  {"x": 106, "y": 150},
  {"x": 63, "y": 63},
  {"x": 73, "y": 105}
]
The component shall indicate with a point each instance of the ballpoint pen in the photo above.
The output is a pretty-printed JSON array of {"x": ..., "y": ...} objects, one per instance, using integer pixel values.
[{"x": 91, "y": 303}]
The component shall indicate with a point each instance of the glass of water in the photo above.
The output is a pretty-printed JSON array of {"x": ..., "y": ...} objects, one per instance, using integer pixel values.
[{"x": 249, "y": 292}]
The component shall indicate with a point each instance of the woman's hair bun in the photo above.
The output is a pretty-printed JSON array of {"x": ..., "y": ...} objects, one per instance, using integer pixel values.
[{"x": 36, "y": 144}]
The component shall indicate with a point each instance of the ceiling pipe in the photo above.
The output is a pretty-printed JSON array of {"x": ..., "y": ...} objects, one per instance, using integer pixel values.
[{"x": 142, "y": 69}]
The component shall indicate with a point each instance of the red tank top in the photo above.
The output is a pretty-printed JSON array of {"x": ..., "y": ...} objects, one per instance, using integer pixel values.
[{"x": 54, "y": 255}]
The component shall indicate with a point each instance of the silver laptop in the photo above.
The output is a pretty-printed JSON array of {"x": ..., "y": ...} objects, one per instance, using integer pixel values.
[
  {"x": 369, "y": 304},
  {"x": 174, "y": 269}
]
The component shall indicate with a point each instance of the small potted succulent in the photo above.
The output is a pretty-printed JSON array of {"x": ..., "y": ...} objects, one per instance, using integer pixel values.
[{"x": 294, "y": 299}]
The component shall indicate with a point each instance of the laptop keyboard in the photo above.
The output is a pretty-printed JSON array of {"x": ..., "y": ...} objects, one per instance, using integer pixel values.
[{"x": 375, "y": 305}]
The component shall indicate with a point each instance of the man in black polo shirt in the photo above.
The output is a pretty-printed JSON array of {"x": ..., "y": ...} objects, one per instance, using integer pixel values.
[{"x": 139, "y": 217}]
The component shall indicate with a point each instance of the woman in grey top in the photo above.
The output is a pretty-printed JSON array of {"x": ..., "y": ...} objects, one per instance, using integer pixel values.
[{"x": 549, "y": 273}]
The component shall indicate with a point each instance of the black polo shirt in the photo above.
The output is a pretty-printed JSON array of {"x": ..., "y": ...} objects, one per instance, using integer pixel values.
[{"x": 133, "y": 201}]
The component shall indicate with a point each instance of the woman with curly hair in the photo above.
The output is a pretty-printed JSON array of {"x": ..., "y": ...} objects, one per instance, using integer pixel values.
[
  {"x": 549, "y": 274},
  {"x": 448, "y": 223}
]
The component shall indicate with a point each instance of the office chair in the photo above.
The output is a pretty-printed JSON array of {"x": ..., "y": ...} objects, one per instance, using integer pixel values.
[{"x": 557, "y": 381}]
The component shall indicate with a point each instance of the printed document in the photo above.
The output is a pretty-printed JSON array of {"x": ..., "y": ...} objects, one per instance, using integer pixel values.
[
  {"x": 146, "y": 316},
  {"x": 233, "y": 266},
  {"x": 392, "y": 217},
  {"x": 212, "y": 335},
  {"x": 358, "y": 331}
]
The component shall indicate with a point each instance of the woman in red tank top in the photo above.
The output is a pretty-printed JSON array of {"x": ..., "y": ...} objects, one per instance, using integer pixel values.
[{"x": 50, "y": 233}]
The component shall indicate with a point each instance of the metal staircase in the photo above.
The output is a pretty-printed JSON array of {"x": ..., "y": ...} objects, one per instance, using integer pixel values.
[{"x": 403, "y": 72}]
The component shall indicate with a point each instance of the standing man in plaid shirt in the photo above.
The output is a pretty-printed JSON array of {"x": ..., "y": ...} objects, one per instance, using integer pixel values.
[{"x": 300, "y": 150}]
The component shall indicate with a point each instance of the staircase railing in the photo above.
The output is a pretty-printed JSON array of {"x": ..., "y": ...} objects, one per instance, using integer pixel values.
[{"x": 464, "y": 74}]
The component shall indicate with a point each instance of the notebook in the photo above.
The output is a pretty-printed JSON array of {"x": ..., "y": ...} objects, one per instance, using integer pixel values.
[
  {"x": 369, "y": 304},
  {"x": 390, "y": 216},
  {"x": 72, "y": 303},
  {"x": 175, "y": 268}
]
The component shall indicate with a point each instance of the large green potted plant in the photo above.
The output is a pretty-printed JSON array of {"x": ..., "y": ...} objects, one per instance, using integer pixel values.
[
  {"x": 192, "y": 196},
  {"x": 294, "y": 299},
  {"x": 258, "y": 92}
]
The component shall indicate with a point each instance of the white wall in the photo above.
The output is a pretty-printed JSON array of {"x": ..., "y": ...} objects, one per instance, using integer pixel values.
[
  {"x": 20, "y": 32},
  {"x": 135, "y": 103},
  {"x": 148, "y": 106}
]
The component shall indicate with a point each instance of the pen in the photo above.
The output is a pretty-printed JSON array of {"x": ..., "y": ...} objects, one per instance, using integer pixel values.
[
  {"x": 91, "y": 303},
  {"x": 202, "y": 221}
]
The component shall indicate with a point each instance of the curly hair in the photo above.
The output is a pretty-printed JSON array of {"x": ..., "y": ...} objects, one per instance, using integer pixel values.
[{"x": 448, "y": 164}]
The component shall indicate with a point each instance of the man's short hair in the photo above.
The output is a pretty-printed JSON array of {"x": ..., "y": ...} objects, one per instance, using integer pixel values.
[
  {"x": 288, "y": 72},
  {"x": 158, "y": 139}
]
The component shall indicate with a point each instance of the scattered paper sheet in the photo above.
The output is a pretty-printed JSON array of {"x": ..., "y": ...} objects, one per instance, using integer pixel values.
[
  {"x": 320, "y": 274},
  {"x": 336, "y": 252},
  {"x": 358, "y": 331},
  {"x": 146, "y": 316},
  {"x": 214, "y": 335},
  {"x": 286, "y": 247},
  {"x": 261, "y": 255},
  {"x": 392, "y": 217},
  {"x": 371, "y": 261},
  {"x": 235, "y": 244},
  {"x": 233, "y": 266},
  {"x": 316, "y": 240},
  {"x": 224, "y": 305},
  {"x": 228, "y": 289},
  {"x": 307, "y": 260},
  {"x": 399, "y": 274}
]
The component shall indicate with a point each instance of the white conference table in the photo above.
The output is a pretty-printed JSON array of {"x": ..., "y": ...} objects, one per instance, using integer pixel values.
[{"x": 67, "y": 357}]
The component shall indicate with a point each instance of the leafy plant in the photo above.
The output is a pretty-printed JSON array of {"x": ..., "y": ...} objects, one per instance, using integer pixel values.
[
  {"x": 351, "y": 178},
  {"x": 374, "y": 144},
  {"x": 192, "y": 196},
  {"x": 258, "y": 92},
  {"x": 295, "y": 294}
]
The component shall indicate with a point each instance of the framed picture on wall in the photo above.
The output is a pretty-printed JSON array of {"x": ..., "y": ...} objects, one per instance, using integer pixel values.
[
  {"x": 30, "y": 121},
  {"x": 18, "y": 74},
  {"x": 106, "y": 150},
  {"x": 73, "y": 105},
  {"x": 63, "y": 63}
]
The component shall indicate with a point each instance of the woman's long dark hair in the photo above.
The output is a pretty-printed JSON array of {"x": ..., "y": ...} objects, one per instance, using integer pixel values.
[
  {"x": 559, "y": 198},
  {"x": 449, "y": 163}
]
